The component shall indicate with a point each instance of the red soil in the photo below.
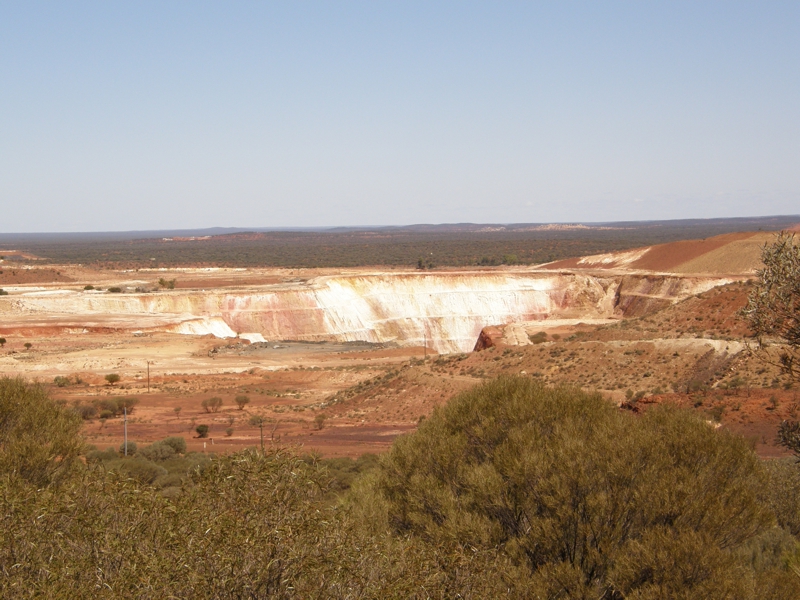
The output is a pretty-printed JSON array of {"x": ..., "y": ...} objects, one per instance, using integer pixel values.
[
  {"x": 10, "y": 275},
  {"x": 663, "y": 257}
]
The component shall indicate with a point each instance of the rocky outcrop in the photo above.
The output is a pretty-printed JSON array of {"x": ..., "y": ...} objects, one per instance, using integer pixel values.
[{"x": 489, "y": 337}]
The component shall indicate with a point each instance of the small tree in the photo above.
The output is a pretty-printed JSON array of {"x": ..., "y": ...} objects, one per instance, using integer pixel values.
[
  {"x": 773, "y": 307},
  {"x": 211, "y": 404},
  {"x": 112, "y": 378},
  {"x": 177, "y": 411},
  {"x": 2, "y": 342},
  {"x": 319, "y": 420},
  {"x": 167, "y": 283},
  {"x": 258, "y": 421},
  {"x": 789, "y": 436},
  {"x": 127, "y": 403},
  {"x": 28, "y": 345},
  {"x": 242, "y": 401},
  {"x": 773, "y": 313},
  {"x": 202, "y": 431}
]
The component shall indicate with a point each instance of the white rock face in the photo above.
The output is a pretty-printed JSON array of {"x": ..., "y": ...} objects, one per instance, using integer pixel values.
[{"x": 446, "y": 309}]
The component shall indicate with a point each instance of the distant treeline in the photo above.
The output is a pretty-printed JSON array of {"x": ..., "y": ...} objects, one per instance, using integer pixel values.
[{"x": 401, "y": 247}]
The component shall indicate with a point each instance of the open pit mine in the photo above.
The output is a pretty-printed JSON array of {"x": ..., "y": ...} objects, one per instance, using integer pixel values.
[
  {"x": 446, "y": 311},
  {"x": 660, "y": 321}
]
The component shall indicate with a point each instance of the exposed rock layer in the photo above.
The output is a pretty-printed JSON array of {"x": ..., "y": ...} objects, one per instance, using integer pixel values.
[{"x": 445, "y": 310}]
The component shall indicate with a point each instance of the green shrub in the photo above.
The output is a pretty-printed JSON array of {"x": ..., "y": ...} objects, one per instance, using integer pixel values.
[
  {"x": 86, "y": 411},
  {"x": 591, "y": 499},
  {"x": 100, "y": 456},
  {"x": 319, "y": 420},
  {"x": 157, "y": 452},
  {"x": 131, "y": 448},
  {"x": 247, "y": 527},
  {"x": 211, "y": 404},
  {"x": 784, "y": 492},
  {"x": 169, "y": 480},
  {"x": 194, "y": 461},
  {"x": 202, "y": 431},
  {"x": 39, "y": 439},
  {"x": 177, "y": 443},
  {"x": 139, "y": 468},
  {"x": 126, "y": 402},
  {"x": 108, "y": 405},
  {"x": 61, "y": 381},
  {"x": 344, "y": 470},
  {"x": 538, "y": 338}
]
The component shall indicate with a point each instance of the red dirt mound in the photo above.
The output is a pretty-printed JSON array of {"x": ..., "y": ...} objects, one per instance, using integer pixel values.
[{"x": 660, "y": 258}]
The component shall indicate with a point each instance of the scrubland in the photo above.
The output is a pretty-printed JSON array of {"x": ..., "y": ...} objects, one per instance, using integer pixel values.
[{"x": 513, "y": 489}]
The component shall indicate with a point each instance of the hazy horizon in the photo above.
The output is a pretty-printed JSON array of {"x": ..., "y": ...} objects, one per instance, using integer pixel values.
[
  {"x": 747, "y": 221},
  {"x": 154, "y": 117}
]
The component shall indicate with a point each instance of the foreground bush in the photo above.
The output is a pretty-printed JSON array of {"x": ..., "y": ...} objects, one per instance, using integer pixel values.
[
  {"x": 39, "y": 439},
  {"x": 593, "y": 502},
  {"x": 248, "y": 526},
  {"x": 512, "y": 490}
]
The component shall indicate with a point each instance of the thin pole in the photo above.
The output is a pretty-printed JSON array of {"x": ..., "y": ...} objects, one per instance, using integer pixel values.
[
  {"x": 148, "y": 376},
  {"x": 125, "y": 427},
  {"x": 425, "y": 334}
]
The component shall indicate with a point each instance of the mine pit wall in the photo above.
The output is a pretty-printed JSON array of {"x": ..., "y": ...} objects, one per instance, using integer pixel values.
[
  {"x": 639, "y": 295},
  {"x": 447, "y": 309}
]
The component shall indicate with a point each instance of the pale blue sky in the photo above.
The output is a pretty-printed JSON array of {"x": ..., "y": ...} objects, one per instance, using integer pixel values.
[{"x": 155, "y": 115}]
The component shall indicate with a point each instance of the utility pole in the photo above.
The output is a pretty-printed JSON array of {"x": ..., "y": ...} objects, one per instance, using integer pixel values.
[{"x": 125, "y": 429}]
